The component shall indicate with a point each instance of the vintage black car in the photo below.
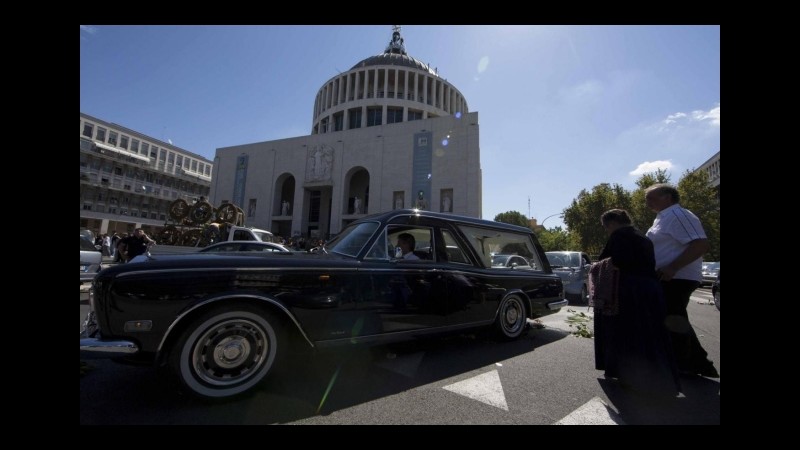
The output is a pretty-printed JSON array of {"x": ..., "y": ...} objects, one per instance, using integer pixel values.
[{"x": 221, "y": 321}]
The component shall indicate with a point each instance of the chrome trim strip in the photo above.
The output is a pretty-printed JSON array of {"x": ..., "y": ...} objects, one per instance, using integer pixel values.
[
  {"x": 237, "y": 269},
  {"x": 93, "y": 348}
]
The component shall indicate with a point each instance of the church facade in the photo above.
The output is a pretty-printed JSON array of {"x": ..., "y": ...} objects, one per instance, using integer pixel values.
[{"x": 387, "y": 134}]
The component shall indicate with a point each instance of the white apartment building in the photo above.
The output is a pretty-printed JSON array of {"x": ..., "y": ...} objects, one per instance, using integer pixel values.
[
  {"x": 129, "y": 179},
  {"x": 712, "y": 169}
]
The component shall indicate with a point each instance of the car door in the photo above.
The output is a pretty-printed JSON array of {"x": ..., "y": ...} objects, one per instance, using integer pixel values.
[{"x": 403, "y": 295}]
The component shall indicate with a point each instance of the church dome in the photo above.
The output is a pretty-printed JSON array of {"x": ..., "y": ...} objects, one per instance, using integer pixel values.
[
  {"x": 383, "y": 89},
  {"x": 394, "y": 59}
]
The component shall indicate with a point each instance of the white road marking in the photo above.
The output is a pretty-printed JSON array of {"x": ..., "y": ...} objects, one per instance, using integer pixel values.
[
  {"x": 485, "y": 388},
  {"x": 593, "y": 412}
]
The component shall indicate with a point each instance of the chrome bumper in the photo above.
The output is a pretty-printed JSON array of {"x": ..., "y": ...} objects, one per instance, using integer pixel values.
[
  {"x": 93, "y": 346},
  {"x": 558, "y": 304}
]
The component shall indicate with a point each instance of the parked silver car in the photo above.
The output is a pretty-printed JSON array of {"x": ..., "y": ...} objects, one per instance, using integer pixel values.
[
  {"x": 573, "y": 268},
  {"x": 710, "y": 272},
  {"x": 90, "y": 259},
  {"x": 512, "y": 261}
]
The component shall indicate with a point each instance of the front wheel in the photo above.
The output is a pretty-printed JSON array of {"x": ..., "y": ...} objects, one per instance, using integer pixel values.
[
  {"x": 716, "y": 298},
  {"x": 226, "y": 351},
  {"x": 511, "y": 318}
]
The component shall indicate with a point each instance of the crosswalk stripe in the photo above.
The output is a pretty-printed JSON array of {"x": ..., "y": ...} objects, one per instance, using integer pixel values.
[
  {"x": 485, "y": 388},
  {"x": 593, "y": 412}
]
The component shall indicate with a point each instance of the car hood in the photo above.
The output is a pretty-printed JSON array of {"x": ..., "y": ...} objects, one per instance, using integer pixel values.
[{"x": 563, "y": 274}]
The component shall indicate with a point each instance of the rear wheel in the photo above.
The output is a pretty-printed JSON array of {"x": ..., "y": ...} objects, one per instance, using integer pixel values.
[
  {"x": 227, "y": 351},
  {"x": 512, "y": 318},
  {"x": 716, "y": 298}
]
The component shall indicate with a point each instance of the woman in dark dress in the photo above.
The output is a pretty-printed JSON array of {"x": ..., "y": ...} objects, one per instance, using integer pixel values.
[{"x": 631, "y": 341}]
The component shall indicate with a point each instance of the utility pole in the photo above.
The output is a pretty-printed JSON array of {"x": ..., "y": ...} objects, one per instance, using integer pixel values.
[{"x": 529, "y": 208}]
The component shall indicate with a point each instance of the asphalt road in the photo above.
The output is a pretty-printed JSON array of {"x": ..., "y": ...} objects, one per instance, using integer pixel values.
[{"x": 547, "y": 377}]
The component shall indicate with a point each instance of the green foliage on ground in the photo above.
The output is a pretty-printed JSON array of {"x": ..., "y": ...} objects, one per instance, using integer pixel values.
[{"x": 579, "y": 321}]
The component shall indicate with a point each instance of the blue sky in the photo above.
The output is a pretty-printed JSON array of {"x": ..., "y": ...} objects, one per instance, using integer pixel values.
[{"x": 562, "y": 108}]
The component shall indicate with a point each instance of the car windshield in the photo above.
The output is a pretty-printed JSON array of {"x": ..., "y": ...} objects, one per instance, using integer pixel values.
[
  {"x": 350, "y": 241},
  {"x": 710, "y": 266},
  {"x": 265, "y": 237},
  {"x": 564, "y": 259},
  {"x": 499, "y": 260}
]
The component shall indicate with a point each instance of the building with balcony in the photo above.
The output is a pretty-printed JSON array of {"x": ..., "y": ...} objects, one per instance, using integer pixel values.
[
  {"x": 711, "y": 166},
  {"x": 389, "y": 133},
  {"x": 129, "y": 180}
]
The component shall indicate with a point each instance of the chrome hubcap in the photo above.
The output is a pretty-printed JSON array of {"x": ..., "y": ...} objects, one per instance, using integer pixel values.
[
  {"x": 513, "y": 313},
  {"x": 230, "y": 352}
]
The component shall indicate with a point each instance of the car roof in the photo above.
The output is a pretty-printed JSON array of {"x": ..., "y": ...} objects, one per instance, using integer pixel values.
[{"x": 389, "y": 215}]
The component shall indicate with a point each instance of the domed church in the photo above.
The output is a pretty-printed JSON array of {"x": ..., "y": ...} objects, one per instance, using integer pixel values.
[{"x": 390, "y": 133}]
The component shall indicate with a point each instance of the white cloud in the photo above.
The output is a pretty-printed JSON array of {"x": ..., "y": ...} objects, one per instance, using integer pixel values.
[
  {"x": 711, "y": 115},
  {"x": 650, "y": 166},
  {"x": 681, "y": 119},
  {"x": 672, "y": 118}
]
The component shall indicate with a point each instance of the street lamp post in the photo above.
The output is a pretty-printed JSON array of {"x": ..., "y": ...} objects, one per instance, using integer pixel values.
[{"x": 552, "y": 215}]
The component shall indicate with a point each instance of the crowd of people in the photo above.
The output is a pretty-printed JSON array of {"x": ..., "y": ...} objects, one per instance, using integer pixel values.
[{"x": 123, "y": 247}]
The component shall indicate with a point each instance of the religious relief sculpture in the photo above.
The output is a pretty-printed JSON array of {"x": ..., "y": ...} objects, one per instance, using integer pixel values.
[
  {"x": 446, "y": 203},
  {"x": 421, "y": 202},
  {"x": 319, "y": 164}
]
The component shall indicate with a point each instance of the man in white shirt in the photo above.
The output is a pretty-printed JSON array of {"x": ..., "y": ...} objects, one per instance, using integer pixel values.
[
  {"x": 407, "y": 243},
  {"x": 680, "y": 243}
]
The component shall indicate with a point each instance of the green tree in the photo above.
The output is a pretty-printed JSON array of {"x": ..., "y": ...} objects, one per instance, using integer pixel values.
[
  {"x": 514, "y": 218},
  {"x": 582, "y": 217},
  {"x": 641, "y": 215},
  {"x": 556, "y": 239},
  {"x": 699, "y": 197}
]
